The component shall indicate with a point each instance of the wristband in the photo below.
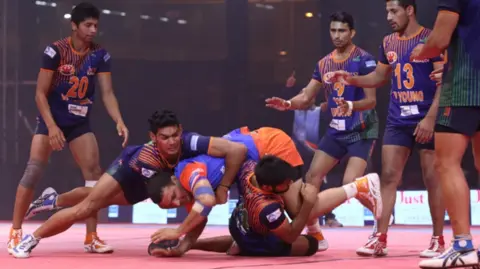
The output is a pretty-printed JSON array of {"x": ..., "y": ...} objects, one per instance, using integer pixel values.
[
  {"x": 288, "y": 104},
  {"x": 350, "y": 106}
]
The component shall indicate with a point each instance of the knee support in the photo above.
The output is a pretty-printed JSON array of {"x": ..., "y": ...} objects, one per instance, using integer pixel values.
[
  {"x": 33, "y": 173},
  {"x": 312, "y": 245}
]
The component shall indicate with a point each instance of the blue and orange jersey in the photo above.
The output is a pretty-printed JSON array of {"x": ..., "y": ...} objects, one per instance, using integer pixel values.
[
  {"x": 257, "y": 212},
  {"x": 359, "y": 124},
  {"x": 190, "y": 171},
  {"x": 146, "y": 160},
  {"x": 461, "y": 77},
  {"x": 267, "y": 141},
  {"x": 412, "y": 89},
  {"x": 72, "y": 92}
]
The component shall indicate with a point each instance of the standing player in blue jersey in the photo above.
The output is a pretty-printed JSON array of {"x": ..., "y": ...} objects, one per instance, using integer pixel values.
[
  {"x": 354, "y": 125},
  {"x": 458, "y": 119},
  {"x": 125, "y": 181},
  {"x": 410, "y": 121},
  {"x": 65, "y": 94}
]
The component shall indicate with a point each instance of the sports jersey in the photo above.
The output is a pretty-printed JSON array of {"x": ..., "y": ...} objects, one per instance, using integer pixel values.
[
  {"x": 190, "y": 171},
  {"x": 359, "y": 124},
  {"x": 461, "y": 81},
  {"x": 257, "y": 213},
  {"x": 72, "y": 92},
  {"x": 412, "y": 90}
]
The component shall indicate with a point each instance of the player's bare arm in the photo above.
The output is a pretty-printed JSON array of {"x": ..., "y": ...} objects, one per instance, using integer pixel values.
[
  {"x": 44, "y": 82},
  {"x": 204, "y": 202},
  {"x": 185, "y": 244},
  {"x": 111, "y": 104},
  {"x": 300, "y": 101},
  {"x": 367, "y": 103},
  {"x": 234, "y": 154},
  {"x": 440, "y": 37},
  {"x": 379, "y": 77}
]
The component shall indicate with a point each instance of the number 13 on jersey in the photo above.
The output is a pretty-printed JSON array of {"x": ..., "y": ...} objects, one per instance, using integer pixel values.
[
  {"x": 409, "y": 80},
  {"x": 79, "y": 87}
]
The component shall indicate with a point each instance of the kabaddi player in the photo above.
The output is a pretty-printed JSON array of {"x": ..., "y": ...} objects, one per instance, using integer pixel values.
[
  {"x": 458, "y": 119},
  {"x": 258, "y": 224},
  {"x": 65, "y": 94},
  {"x": 410, "y": 121},
  {"x": 354, "y": 125},
  {"x": 125, "y": 180}
]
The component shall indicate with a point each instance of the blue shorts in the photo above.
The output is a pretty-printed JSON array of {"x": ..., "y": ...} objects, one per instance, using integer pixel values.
[
  {"x": 133, "y": 185},
  {"x": 252, "y": 244},
  {"x": 70, "y": 132},
  {"x": 403, "y": 136},
  {"x": 338, "y": 149}
]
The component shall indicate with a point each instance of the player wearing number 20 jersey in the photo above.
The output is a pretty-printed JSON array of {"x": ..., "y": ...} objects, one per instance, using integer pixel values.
[
  {"x": 412, "y": 91},
  {"x": 72, "y": 92}
]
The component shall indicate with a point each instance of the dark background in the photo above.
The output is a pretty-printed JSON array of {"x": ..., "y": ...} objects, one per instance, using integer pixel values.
[{"x": 215, "y": 71}]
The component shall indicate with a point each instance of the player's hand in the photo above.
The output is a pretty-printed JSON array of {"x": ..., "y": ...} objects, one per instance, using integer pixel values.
[
  {"x": 416, "y": 53},
  {"x": 56, "y": 138},
  {"x": 165, "y": 234},
  {"x": 221, "y": 195},
  {"x": 309, "y": 193},
  {"x": 343, "y": 106},
  {"x": 170, "y": 252},
  {"x": 324, "y": 106},
  {"x": 123, "y": 131},
  {"x": 437, "y": 75},
  {"x": 424, "y": 131},
  {"x": 277, "y": 103},
  {"x": 338, "y": 76}
]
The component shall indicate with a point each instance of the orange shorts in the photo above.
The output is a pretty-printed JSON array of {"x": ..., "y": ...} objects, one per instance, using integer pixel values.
[{"x": 273, "y": 141}]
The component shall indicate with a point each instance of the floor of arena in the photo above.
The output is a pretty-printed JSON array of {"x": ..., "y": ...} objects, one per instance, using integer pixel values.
[{"x": 130, "y": 242}]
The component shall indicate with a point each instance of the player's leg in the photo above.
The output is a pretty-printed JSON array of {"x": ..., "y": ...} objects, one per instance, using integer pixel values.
[
  {"x": 84, "y": 148},
  {"x": 396, "y": 149},
  {"x": 101, "y": 194},
  {"x": 40, "y": 152},
  {"x": 435, "y": 202},
  {"x": 214, "y": 244}
]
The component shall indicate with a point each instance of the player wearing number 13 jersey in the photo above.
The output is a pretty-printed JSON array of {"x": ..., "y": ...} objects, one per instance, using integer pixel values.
[
  {"x": 64, "y": 96},
  {"x": 410, "y": 121}
]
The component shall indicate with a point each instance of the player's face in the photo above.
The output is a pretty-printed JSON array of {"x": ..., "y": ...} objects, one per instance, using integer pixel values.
[
  {"x": 341, "y": 34},
  {"x": 174, "y": 195},
  {"x": 86, "y": 30},
  {"x": 168, "y": 140},
  {"x": 397, "y": 16}
]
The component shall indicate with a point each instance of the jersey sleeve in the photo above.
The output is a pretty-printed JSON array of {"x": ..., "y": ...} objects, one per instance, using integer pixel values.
[
  {"x": 368, "y": 65},
  {"x": 191, "y": 174},
  {"x": 195, "y": 144},
  {"x": 449, "y": 5},
  {"x": 382, "y": 58},
  {"x": 272, "y": 216},
  {"x": 50, "y": 58},
  {"x": 316, "y": 73},
  {"x": 104, "y": 66}
]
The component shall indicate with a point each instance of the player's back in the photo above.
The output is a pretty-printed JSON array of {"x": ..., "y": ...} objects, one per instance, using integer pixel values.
[
  {"x": 359, "y": 124},
  {"x": 72, "y": 92},
  {"x": 412, "y": 90},
  {"x": 192, "y": 169},
  {"x": 461, "y": 82}
]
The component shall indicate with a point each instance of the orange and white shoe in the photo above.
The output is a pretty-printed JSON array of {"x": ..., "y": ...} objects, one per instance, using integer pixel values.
[
  {"x": 376, "y": 246},
  {"x": 437, "y": 247},
  {"x": 14, "y": 239},
  {"x": 322, "y": 242},
  {"x": 93, "y": 244},
  {"x": 369, "y": 188}
]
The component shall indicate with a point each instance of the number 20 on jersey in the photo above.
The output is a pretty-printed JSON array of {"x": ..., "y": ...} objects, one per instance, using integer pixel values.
[{"x": 79, "y": 87}]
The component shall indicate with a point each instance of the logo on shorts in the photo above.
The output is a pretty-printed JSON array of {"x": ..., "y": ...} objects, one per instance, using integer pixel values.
[
  {"x": 392, "y": 57},
  {"x": 67, "y": 70}
]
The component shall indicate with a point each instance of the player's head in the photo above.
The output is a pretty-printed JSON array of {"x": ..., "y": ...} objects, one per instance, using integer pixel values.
[
  {"x": 165, "y": 132},
  {"x": 84, "y": 20},
  {"x": 342, "y": 29},
  {"x": 400, "y": 13},
  {"x": 165, "y": 190},
  {"x": 274, "y": 174}
]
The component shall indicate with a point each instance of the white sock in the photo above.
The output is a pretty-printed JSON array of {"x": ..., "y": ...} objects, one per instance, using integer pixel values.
[
  {"x": 90, "y": 183},
  {"x": 350, "y": 189},
  {"x": 315, "y": 228}
]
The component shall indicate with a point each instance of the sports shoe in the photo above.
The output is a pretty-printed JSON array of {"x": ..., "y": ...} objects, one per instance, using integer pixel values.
[
  {"x": 375, "y": 246},
  {"x": 436, "y": 248},
  {"x": 14, "y": 239},
  {"x": 93, "y": 244},
  {"x": 46, "y": 202}
]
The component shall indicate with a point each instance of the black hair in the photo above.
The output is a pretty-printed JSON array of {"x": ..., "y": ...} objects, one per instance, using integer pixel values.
[
  {"x": 273, "y": 171},
  {"x": 84, "y": 11},
  {"x": 156, "y": 185},
  {"x": 161, "y": 119},
  {"x": 406, "y": 3},
  {"x": 343, "y": 17}
]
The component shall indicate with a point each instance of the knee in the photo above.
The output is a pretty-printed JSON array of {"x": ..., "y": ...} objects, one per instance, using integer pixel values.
[
  {"x": 33, "y": 173},
  {"x": 391, "y": 176},
  {"x": 92, "y": 172}
]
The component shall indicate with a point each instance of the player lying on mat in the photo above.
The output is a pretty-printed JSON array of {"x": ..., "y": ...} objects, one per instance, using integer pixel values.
[
  {"x": 259, "y": 218},
  {"x": 124, "y": 181}
]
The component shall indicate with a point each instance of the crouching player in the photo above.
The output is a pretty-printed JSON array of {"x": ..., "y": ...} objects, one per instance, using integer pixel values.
[{"x": 258, "y": 225}]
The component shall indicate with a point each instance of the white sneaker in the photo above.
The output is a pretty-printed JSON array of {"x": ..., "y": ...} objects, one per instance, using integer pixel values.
[
  {"x": 23, "y": 249},
  {"x": 452, "y": 259}
]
